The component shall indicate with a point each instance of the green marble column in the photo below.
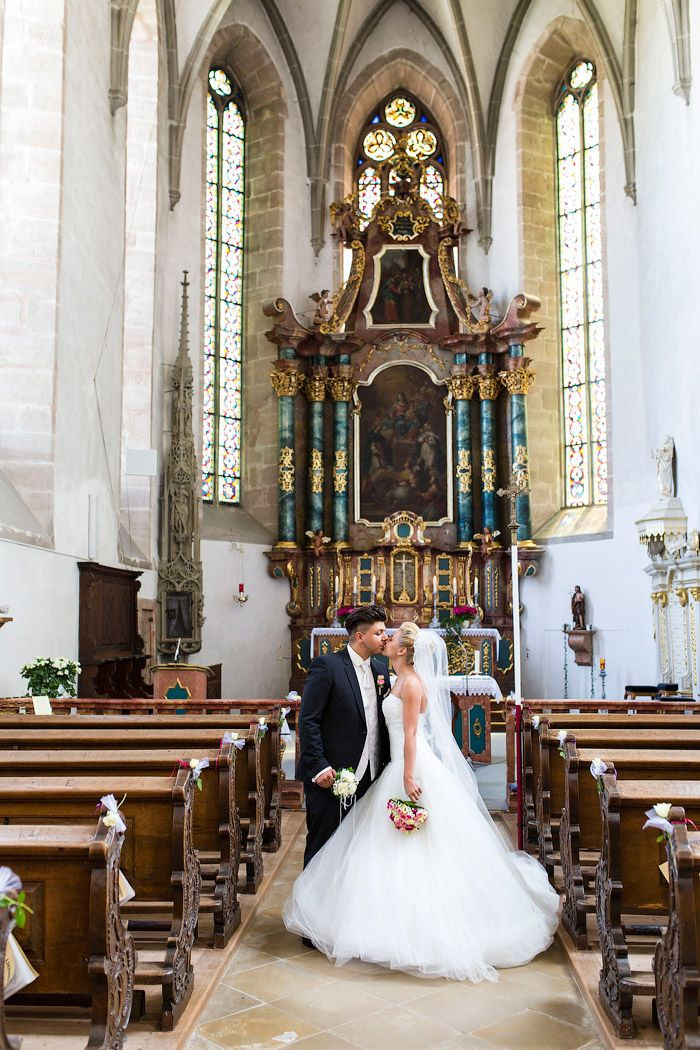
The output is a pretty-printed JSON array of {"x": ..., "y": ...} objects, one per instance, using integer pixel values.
[
  {"x": 488, "y": 392},
  {"x": 341, "y": 387},
  {"x": 315, "y": 390},
  {"x": 517, "y": 380},
  {"x": 285, "y": 380},
  {"x": 462, "y": 387}
]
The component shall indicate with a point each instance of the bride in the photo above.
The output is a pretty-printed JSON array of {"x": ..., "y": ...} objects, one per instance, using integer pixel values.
[{"x": 448, "y": 900}]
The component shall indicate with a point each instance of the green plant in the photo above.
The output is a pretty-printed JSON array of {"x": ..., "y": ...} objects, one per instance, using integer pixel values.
[{"x": 47, "y": 677}]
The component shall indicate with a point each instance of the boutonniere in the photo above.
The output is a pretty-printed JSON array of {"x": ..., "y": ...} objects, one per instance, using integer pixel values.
[{"x": 381, "y": 680}]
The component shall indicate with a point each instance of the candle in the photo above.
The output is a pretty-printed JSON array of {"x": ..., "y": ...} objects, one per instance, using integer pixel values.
[
  {"x": 337, "y": 586},
  {"x": 602, "y": 663},
  {"x": 434, "y": 586},
  {"x": 476, "y": 587},
  {"x": 241, "y": 588},
  {"x": 477, "y": 662},
  {"x": 374, "y": 586},
  {"x": 454, "y": 589},
  {"x": 354, "y": 588}
]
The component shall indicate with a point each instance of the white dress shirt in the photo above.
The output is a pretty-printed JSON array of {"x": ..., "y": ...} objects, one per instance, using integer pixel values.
[{"x": 368, "y": 691}]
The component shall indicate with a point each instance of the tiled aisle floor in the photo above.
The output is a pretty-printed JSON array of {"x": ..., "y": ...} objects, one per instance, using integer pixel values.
[{"x": 276, "y": 993}]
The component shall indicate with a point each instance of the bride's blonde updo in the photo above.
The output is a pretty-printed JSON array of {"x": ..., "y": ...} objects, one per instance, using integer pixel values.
[{"x": 408, "y": 632}]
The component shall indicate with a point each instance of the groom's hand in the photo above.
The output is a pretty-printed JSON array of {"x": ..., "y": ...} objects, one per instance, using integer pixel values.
[{"x": 326, "y": 779}]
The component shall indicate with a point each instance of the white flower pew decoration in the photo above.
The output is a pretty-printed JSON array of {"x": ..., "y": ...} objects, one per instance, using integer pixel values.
[
  {"x": 561, "y": 737},
  {"x": 232, "y": 738},
  {"x": 598, "y": 770},
  {"x": 657, "y": 817},
  {"x": 113, "y": 818},
  {"x": 535, "y": 722},
  {"x": 197, "y": 766}
]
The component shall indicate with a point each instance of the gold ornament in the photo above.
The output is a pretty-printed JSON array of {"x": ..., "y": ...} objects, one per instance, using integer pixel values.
[
  {"x": 286, "y": 478},
  {"x": 520, "y": 464},
  {"x": 488, "y": 387},
  {"x": 488, "y": 470},
  {"x": 315, "y": 387},
  {"x": 344, "y": 298},
  {"x": 462, "y": 387},
  {"x": 682, "y": 595},
  {"x": 517, "y": 381},
  {"x": 285, "y": 383},
  {"x": 316, "y": 471},
  {"x": 341, "y": 387},
  {"x": 340, "y": 471},
  {"x": 464, "y": 470},
  {"x": 458, "y": 292}
]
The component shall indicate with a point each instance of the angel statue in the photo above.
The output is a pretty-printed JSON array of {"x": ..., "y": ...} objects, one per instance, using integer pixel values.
[
  {"x": 324, "y": 310},
  {"x": 488, "y": 538},
  {"x": 481, "y": 304},
  {"x": 664, "y": 467},
  {"x": 319, "y": 540}
]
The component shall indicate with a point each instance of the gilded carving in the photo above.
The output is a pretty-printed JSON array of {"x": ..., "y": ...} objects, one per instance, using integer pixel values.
[
  {"x": 341, "y": 388},
  {"x": 464, "y": 471},
  {"x": 488, "y": 387},
  {"x": 695, "y": 594},
  {"x": 344, "y": 298},
  {"x": 316, "y": 471},
  {"x": 661, "y": 597},
  {"x": 286, "y": 477},
  {"x": 462, "y": 387},
  {"x": 488, "y": 470},
  {"x": 285, "y": 383},
  {"x": 340, "y": 471},
  {"x": 682, "y": 595},
  {"x": 403, "y": 345},
  {"x": 517, "y": 381},
  {"x": 416, "y": 224},
  {"x": 315, "y": 387},
  {"x": 458, "y": 292},
  {"x": 520, "y": 464}
]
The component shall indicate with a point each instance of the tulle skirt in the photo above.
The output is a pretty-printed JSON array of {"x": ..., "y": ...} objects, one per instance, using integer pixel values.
[{"x": 449, "y": 900}]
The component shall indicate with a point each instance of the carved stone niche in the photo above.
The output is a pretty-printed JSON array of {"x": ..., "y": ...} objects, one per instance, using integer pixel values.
[{"x": 581, "y": 645}]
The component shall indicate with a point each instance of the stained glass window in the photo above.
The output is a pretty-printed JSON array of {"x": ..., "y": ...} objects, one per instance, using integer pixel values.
[
  {"x": 581, "y": 289},
  {"x": 399, "y": 118},
  {"x": 223, "y": 292}
]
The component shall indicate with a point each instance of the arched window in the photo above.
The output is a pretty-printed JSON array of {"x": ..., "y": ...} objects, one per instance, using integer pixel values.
[
  {"x": 223, "y": 290},
  {"x": 581, "y": 288},
  {"x": 398, "y": 116}
]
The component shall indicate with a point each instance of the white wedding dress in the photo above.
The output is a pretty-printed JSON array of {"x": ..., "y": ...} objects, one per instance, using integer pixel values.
[{"x": 447, "y": 900}]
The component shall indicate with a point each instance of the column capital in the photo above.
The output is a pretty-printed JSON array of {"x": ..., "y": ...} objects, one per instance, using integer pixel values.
[
  {"x": 462, "y": 387},
  {"x": 285, "y": 381},
  {"x": 314, "y": 385},
  {"x": 489, "y": 385},
  {"x": 341, "y": 388},
  {"x": 517, "y": 380}
]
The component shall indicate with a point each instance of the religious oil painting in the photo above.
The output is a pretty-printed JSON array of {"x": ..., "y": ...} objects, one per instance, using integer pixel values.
[
  {"x": 401, "y": 294},
  {"x": 403, "y": 443}
]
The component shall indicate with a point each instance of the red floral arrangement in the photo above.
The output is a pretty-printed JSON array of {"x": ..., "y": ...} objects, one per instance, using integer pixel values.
[{"x": 343, "y": 612}]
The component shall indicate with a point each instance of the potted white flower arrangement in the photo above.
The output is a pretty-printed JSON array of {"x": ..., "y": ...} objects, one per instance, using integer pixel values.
[{"x": 47, "y": 677}]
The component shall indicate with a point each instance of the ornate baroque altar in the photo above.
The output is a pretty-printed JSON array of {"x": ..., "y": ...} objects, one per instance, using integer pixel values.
[{"x": 402, "y": 411}]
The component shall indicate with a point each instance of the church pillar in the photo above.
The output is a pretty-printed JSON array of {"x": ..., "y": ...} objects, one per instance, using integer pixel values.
[
  {"x": 341, "y": 387},
  {"x": 315, "y": 390},
  {"x": 488, "y": 392},
  {"x": 462, "y": 388},
  {"x": 517, "y": 380},
  {"x": 285, "y": 381}
]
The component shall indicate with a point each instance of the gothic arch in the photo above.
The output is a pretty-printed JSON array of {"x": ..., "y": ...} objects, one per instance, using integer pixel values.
[{"x": 563, "y": 40}]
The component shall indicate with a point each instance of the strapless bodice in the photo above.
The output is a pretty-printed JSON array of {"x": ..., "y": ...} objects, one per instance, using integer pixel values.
[{"x": 392, "y": 709}]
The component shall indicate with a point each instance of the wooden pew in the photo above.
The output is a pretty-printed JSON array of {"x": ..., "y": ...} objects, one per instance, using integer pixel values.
[
  {"x": 215, "y": 825},
  {"x": 75, "y": 936},
  {"x": 580, "y": 830},
  {"x": 629, "y": 883},
  {"x": 592, "y": 707},
  {"x": 549, "y": 799},
  {"x": 572, "y": 721},
  {"x": 271, "y": 747},
  {"x": 158, "y": 859},
  {"x": 7, "y": 1042},
  {"x": 249, "y": 784},
  {"x": 677, "y": 957}
]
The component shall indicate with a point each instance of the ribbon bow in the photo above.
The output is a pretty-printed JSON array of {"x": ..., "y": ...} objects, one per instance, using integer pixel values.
[
  {"x": 231, "y": 738},
  {"x": 284, "y": 725},
  {"x": 112, "y": 818},
  {"x": 261, "y": 726},
  {"x": 10, "y": 882},
  {"x": 196, "y": 765}
]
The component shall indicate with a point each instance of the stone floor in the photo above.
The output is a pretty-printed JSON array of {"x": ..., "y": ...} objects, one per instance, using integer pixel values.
[{"x": 276, "y": 993}]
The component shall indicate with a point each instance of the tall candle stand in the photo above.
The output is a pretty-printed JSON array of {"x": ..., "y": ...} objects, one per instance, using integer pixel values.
[
  {"x": 603, "y": 675},
  {"x": 435, "y": 622}
]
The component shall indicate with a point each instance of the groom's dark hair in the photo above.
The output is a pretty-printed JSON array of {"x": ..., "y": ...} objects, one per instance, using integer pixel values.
[{"x": 363, "y": 617}]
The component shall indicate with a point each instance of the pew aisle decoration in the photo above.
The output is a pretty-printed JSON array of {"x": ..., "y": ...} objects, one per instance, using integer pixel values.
[
  {"x": 406, "y": 816},
  {"x": 657, "y": 817},
  {"x": 18, "y": 972},
  {"x": 47, "y": 677},
  {"x": 561, "y": 737},
  {"x": 197, "y": 765},
  {"x": 598, "y": 768},
  {"x": 261, "y": 726},
  {"x": 231, "y": 738},
  {"x": 12, "y": 896},
  {"x": 113, "y": 818}
]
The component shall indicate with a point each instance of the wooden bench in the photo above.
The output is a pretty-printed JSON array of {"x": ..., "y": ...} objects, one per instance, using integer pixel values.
[
  {"x": 677, "y": 957},
  {"x": 158, "y": 859},
  {"x": 249, "y": 785},
  {"x": 580, "y": 833},
  {"x": 549, "y": 799},
  {"x": 573, "y": 722},
  {"x": 271, "y": 747},
  {"x": 629, "y": 883},
  {"x": 215, "y": 825},
  {"x": 592, "y": 707},
  {"x": 75, "y": 936}
]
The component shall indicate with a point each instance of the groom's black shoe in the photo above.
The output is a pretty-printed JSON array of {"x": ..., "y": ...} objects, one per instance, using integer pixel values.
[{"x": 308, "y": 944}]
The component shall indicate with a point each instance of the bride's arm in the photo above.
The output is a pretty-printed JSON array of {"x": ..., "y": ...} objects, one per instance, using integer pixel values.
[{"x": 411, "y": 697}]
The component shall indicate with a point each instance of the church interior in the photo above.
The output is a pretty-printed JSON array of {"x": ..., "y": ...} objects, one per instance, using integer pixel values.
[{"x": 341, "y": 304}]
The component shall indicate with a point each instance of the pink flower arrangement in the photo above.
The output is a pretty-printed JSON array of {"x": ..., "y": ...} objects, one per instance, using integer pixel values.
[
  {"x": 406, "y": 816},
  {"x": 464, "y": 610}
]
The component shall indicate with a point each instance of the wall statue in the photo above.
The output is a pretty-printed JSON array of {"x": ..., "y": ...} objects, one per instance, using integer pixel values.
[
  {"x": 578, "y": 609},
  {"x": 664, "y": 468}
]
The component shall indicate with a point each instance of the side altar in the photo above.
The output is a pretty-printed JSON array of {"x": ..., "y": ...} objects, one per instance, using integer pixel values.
[{"x": 402, "y": 412}]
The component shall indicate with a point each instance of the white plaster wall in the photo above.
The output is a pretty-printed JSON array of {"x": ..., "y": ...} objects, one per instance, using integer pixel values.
[{"x": 250, "y": 640}]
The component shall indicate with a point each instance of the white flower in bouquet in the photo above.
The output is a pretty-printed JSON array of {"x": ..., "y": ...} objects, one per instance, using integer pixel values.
[
  {"x": 598, "y": 767},
  {"x": 345, "y": 786},
  {"x": 657, "y": 817}
]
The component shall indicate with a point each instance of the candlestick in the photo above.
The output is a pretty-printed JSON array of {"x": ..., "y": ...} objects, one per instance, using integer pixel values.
[
  {"x": 434, "y": 586},
  {"x": 602, "y": 663}
]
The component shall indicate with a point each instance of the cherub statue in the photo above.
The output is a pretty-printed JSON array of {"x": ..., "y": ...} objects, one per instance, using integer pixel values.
[
  {"x": 664, "y": 467},
  {"x": 488, "y": 538},
  {"x": 319, "y": 541},
  {"x": 578, "y": 609},
  {"x": 324, "y": 310},
  {"x": 481, "y": 305}
]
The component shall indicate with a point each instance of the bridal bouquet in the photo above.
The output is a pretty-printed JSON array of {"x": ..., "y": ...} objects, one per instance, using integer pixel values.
[
  {"x": 345, "y": 786},
  {"x": 406, "y": 816}
]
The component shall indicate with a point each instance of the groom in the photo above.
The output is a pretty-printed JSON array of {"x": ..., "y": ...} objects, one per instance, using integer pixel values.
[{"x": 341, "y": 722}]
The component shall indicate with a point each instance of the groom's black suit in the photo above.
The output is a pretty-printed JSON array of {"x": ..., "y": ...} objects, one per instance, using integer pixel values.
[{"x": 332, "y": 730}]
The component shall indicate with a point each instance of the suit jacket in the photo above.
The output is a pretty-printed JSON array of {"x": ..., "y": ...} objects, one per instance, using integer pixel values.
[{"x": 332, "y": 725}]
